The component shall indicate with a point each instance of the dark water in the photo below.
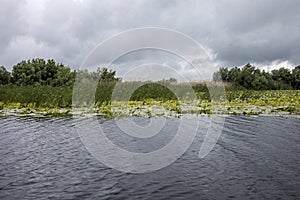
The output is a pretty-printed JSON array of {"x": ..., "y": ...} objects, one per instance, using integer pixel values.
[{"x": 255, "y": 158}]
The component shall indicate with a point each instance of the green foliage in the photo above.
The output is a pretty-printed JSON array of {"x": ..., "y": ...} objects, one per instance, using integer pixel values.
[
  {"x": 153, "y": 91},
  {"x": 106, "y": 75},
  {"x": 172, "y": 105},
  {"x": 37, "y": 96},
  {"x": 253, "y": 78},
  {"x": 296, "y": 77},
  {"x": 104, "y": 92},
  {"x": 48, "y": 86},
  {"x": 4, "y": 76},
  {"x": 40, "y": 72}
]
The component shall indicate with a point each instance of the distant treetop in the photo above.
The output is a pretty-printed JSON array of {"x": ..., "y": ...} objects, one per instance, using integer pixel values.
[{"x": 250, "y": 77}]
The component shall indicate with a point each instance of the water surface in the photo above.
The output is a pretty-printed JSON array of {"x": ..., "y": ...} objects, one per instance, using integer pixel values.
[{"x": 255, "y": 158}]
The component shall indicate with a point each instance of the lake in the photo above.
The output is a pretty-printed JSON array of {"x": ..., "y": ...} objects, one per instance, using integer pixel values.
[{"x": 254, "y": 158}]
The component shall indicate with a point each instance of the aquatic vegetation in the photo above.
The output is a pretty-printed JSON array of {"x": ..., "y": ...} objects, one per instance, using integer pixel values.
[
  {"x": 106, "y": 111},
  {"x": 57, "y": 101},
  {"x": 172, "y": 105},
  {"x": 36, "y": 96}
]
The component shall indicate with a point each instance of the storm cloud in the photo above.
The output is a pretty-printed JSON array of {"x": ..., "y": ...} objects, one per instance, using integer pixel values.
[{"x": 265, "y": 33}]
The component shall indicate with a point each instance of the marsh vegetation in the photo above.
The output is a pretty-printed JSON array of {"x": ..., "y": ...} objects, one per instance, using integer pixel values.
[{"x": 45, "y": 88}]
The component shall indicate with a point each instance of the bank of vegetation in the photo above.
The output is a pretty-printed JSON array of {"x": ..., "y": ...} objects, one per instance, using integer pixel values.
[
  {"x": 251, "y": 78},
  {"x": 45, "y": 87}
]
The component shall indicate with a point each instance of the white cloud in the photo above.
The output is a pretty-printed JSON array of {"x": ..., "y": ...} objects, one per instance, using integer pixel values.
[{"x": 276, "y": 64}]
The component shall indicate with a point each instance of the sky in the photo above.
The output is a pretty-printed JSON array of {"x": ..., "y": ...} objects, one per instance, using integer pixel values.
[{"x": 234, "y": 32}]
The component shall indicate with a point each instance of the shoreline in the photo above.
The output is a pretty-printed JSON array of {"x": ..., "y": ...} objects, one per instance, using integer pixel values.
[{"x": 170, "y": 109}]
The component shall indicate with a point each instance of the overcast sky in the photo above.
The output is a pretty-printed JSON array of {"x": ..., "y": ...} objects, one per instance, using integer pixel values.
[{"x": 266, "y": 33}]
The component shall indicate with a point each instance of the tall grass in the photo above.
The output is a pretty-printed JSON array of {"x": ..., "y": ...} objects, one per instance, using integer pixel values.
[
  {"x": 39, "y": 96},
  {"x": 59, "y": 97}
]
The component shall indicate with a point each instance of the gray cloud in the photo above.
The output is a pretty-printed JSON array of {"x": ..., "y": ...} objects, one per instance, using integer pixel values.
[
  {"x": 235, "y": 31},
  {"x": 11, "y": 21}
]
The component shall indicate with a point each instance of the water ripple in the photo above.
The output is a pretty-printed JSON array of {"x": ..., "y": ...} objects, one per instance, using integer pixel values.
[{"x": 255, "y": 158}]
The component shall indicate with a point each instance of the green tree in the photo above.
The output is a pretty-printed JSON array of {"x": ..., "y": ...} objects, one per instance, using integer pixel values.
[
  {"x": 40, "y": 72},
  {"x": 248, "y": 76},
  {"x": 282, "y": 78},
  {"x": 296, "y": 77},
  {"x": 49, "y": 72},
  {"x": 4, "y": 76},
  {"x": 23, "y": 73},
  {"x": 64, "y": 76},
  {"x": 267, "y": 80},
  {"x": 221, "y": 75},
  {"x": 106, "y": 75},
  {"x": 234, "y": 75}
]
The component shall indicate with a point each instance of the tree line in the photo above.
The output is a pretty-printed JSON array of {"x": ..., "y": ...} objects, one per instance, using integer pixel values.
[
  {"x": 48, "y": 72},
  {"x": 250, "y": 77},
  {"x": 41, "y": 72}
]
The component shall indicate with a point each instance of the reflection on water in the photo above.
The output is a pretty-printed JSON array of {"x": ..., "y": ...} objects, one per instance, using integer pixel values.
[{"x": 255, "y": 157}]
